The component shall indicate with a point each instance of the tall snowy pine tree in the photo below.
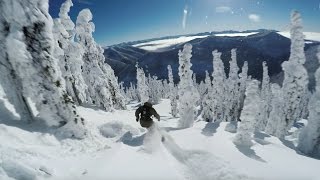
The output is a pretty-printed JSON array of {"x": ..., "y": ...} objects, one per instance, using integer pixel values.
[
  {"x": 309, "y": 139},
  {"x": 188, "y": 95},
  {"x": 103, "y": 90},
  {"x": 249, "y": 114},
  {"x": 295, "y": 75},
  {"x": 172, "y": 93},
  {"x": 69, "y": 54},
  {"x": 218, "y": 83}
]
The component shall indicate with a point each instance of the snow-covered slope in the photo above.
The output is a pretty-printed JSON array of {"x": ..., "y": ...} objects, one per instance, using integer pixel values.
[
  {"x": 118, "y": 148},
  {"x": 165, "y": 43},
  {"x": 313, "y": 36},
  {"x": 160, "y": 44},
  {"x": 236, "y": 34}
]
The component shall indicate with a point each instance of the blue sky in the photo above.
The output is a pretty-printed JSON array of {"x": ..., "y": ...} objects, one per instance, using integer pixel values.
[{"x": 127, "y": 20}]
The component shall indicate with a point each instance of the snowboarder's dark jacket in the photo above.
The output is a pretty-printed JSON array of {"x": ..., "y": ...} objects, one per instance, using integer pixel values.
[{"x": 144, "y": 113}]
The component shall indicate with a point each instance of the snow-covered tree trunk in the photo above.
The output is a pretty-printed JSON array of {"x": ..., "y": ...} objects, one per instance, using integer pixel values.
[
  {"x": 218, "y": 83},
  {"x": 309, "y": 139},
  {"x": 266, "y": 99},
  {"x": 29, "y": 50},
  {"x": 188, "y": 95},
  {"x": 172, "y": 94},
  {"x": 295, "y": 75},
  {"x": 249, "y": 115},
  {"x": 9, "y": 81}
]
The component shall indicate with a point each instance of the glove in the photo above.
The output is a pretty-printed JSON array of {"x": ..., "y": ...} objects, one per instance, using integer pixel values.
[{"x": 137, "y": 119}]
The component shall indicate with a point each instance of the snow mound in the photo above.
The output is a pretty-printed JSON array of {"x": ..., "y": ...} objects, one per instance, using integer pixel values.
[{"x": 117, "y": 128}]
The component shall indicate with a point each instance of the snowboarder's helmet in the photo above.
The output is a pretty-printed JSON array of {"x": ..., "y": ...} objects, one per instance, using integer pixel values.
[{"x": 148, "y": 104}]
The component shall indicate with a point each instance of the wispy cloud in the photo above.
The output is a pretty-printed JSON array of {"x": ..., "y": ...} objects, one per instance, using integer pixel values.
[
  {"x": 88, "y": 2},
  {"x": 185, "y": 16},
  {"x": 254, "y": 17},
  {"x": 223, "y": 9}
]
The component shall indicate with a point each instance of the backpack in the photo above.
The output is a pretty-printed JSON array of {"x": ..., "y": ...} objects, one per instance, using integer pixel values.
[{"x": 146, "y": 114}]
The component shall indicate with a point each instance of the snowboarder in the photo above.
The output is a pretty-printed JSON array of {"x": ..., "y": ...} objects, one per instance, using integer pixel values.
[{"x": 144, "y": 113}]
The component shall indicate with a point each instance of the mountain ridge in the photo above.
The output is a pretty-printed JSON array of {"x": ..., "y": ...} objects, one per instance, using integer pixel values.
[{"x": 265, "y": 45}]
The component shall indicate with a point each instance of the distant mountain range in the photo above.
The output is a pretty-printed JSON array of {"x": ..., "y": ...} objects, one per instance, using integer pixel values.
[{"x": 154, "y": 55}]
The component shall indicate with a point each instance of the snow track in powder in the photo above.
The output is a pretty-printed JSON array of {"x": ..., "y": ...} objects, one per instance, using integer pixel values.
[{"x": 198, "y": 164}]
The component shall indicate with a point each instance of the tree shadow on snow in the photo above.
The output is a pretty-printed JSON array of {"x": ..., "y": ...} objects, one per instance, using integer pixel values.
[
  {"x": 129, "y": 140},
  {"x": 298, "y": 125},
  {"x": 210, "y": 129},
  {"x": 168, "y": 129},
  {"x": 288, "y": 144},
  {"x": 259, "y": 138},
  {"x": 249, "y": 152},
  {"x": 9, "y": 119}
]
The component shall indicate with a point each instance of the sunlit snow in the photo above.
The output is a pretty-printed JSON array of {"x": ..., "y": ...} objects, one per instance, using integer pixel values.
[
  {"x": 314, "y": 36},
  {"x": 204, "y": 151},
  {"x": 236, "y": 34},
  {"x": 164, "y": 43}
]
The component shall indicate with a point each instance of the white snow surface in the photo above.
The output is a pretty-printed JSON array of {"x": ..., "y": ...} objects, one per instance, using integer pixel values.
[
  {"x": 118, "y": 148},
  {"x": 165, "y": 43},
  {"x": 313, "y": 36},
  {"x": 236, "y": 34}
]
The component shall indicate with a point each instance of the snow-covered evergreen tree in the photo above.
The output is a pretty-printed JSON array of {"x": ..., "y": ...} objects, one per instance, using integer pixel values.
[
  {"x": 249, "y": 114},
  {"x": 206, "y": 85},
  {"x": 243, "y": 78},
  {"x": 69, "y": 54},
  {"x": 206, "y": 99},
  {"x": 118, "y": 101},
  {"x": 29, "y": 49},
  {"x": 103, "y": 90},
  {"x": 188, "y": 95},
  {"x": 232, "y": 89},
  {"x": 194, "y": 80},
  {"x": 266, "y": 99},
  {"x": 131, "y": 92},
  {"x": 172, "y": 94},
  {"x": 154, "y": 89},
  {"x": 275, "y": 119},
  {"x": 142, "y": 85},
  {"x": 304, "y": 105},
  {"x": 295, "y": 75},
  {"x": 309, "y": 139},
  {"x": 218, "y": 91}
]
